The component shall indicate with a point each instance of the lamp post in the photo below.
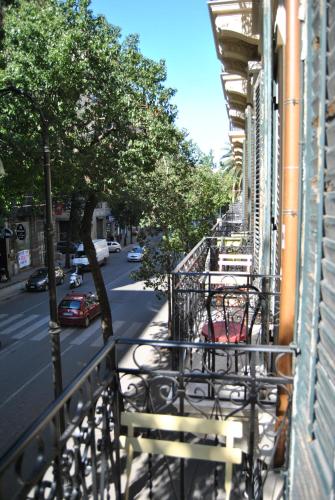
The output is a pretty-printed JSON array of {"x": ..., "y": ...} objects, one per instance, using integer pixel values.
[{"x": 54, "y": 329}]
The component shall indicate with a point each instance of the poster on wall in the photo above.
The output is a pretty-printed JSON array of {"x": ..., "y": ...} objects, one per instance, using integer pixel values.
[{"x": 23, "y": 258}]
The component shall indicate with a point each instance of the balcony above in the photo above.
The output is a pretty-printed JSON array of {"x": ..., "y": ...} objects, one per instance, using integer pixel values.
[{"x": 235, "y": 42}]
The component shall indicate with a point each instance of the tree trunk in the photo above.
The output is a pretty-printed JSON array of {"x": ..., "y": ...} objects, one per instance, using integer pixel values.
[{"x": 85, "y": 232}]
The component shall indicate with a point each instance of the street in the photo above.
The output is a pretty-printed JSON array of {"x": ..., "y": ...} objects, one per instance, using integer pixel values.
[{"x": 25, "y": 359}]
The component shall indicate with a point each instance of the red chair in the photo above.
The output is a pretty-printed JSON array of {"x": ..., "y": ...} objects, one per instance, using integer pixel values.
[{"x": 231, "y": 316}]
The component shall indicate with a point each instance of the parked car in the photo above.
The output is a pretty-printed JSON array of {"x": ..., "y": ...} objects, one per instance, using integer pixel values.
[
  {"x": 114, "y": 246},
  {"x": 78, "y": 309},
  {"x": 135, "y": 255},
  {"x": 101, "y": 250},
  {"x": 62, "y": 246},
  {"x": 39, "y": 280}
]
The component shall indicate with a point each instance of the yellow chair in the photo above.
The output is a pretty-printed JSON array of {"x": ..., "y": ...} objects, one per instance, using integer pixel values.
[{"x": 231, "y": 429}]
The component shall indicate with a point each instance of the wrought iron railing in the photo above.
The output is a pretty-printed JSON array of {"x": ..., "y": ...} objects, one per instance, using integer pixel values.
[
  {"x": 190, "y": 291},
  {"x": 72, "y": 450},
  {"x": 204, "y": 256},
  {"x": 68, "y": 452}
]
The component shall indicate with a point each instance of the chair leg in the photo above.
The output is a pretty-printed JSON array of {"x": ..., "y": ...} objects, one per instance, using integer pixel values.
[
  {"x": 228, "y": 479},
  {"x": 130, "y": 456}
]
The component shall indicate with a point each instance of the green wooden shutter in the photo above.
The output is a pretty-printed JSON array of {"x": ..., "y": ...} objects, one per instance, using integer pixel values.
[{"x": 313, "y": 431}]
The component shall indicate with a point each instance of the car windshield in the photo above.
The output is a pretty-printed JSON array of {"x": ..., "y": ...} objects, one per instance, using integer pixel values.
[
  {"x": 70, "y": 304},
  {"x": 137, "y": 250},
  {"x": 39, "y": 273}
]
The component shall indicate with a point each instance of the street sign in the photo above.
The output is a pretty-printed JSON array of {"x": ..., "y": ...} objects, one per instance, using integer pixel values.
[
  {"x": 6, "y": 233},
  {"x": 20, "y": 232}
]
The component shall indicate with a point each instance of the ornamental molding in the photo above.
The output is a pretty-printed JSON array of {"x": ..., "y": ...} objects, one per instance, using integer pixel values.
[
  {"x": 236, "y": 101},
  {"x": 239, "y": 43},
  {"x": 237, "y": 122}
]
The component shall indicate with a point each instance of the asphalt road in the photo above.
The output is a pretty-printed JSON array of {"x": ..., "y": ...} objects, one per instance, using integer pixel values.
[{"x": 25, "y": 368}]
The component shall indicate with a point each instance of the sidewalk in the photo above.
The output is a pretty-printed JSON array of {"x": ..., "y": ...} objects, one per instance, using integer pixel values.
[{"x": 15, "y": 285}]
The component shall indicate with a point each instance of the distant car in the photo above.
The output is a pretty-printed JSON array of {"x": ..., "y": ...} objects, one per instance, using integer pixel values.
[
  {"x": 114, "y": 246},
  {"x": 39, "y": 279},
  {"x": 135, "y": 255},
  {"x": 63, "y": 245},
  {"x": 78, "y": 309}
]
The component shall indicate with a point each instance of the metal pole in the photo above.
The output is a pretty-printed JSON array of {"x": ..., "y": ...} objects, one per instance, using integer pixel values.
[{"x": 54, "y": 329}]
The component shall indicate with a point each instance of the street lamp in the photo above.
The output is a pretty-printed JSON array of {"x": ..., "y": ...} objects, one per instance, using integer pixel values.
[{"x": 54, "y": 329}]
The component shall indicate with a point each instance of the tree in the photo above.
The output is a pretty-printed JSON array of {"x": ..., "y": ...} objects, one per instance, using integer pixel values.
[
  {"x": 109, "y": 114},
  {"x": 182, "y": 199},
  {"x": 232, "y": 172}
]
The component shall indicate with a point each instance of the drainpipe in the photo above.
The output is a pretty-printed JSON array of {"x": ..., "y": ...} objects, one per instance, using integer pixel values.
[{"x": 289, "y": 214}]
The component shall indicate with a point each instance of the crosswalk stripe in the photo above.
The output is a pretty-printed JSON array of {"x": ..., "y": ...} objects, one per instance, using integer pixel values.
[
  {"x": 31, "y": 328},
  {"x": 130, "y": 331},
  {"x": 119, "y": 330},
  {"x": 89, "y": 332},
  {"x": 65, "y": 335},
  {"x": 10, "y": 319},
  {"x": 41, "y": 335},
  {"x": 45, "y": 333},
  {"x": 116, "y": 327},
  {"x": 19, "y": 324}
]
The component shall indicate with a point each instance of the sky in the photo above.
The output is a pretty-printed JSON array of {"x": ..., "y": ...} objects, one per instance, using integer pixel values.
[{"x": 179, "y": 31}]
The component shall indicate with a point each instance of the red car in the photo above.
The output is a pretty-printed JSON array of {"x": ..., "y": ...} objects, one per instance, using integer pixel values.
[{"x": 78, "y": 309}]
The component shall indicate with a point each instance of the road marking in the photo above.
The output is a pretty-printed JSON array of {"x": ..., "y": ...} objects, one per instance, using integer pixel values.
[
  {"x": 89, "y": 332},
  {"x": 14, "y": 394},
  {"x": 131, "y": 330},
  {"x": 65, "y": 335},
  {"x": 9, "y": 320},
  {"x": 31, "y": 328},
  {"x": 18, "y": 324},
  {"x": 117, "y": 327}
]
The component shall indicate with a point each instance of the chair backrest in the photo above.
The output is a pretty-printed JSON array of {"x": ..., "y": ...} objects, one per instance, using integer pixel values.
[
  {"x": 235, "y": 263},
  {"x": 237, "y": 307},
  {"x": 230, "y": 429}
]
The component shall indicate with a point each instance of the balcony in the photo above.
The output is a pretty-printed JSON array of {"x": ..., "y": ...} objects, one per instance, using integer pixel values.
[{"x": 176, "y": 417}]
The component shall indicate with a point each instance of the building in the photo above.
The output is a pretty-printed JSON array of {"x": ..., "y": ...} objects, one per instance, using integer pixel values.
[{"x": 279, "y": 84}]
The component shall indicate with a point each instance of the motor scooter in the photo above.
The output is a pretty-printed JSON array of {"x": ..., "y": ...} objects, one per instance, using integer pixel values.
[{"x": 76, "y": 278}]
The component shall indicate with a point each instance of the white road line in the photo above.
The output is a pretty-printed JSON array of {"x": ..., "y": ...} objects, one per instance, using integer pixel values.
[
  {"x": 129, "y": 332},
  {"x": 45, "y": 333},
  {"x": 9, "y": 320},
  {"x": 19, "y": 324},
  {"x": 14, "y": 394},
  {"x": 89, "y": 332},
  {"x": 32, "y": 328},
  {"x": 117, "y": 326},
  {"x": 99, "y": 342},
  {"x": 65, "y": 335},
  {"x": 41, "y": 335}
]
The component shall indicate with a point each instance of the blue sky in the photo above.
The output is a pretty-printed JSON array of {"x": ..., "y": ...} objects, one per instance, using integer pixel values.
[{"x": 179, "y": 31}]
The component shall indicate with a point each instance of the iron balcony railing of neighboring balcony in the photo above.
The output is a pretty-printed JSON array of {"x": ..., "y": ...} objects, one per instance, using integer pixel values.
[
  {"x": 75, "y": 449},
  {"x": 199, "y": 274}
]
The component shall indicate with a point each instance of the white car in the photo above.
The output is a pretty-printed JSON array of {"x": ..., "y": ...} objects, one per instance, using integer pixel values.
[
  {"x": 114, "y": 246},
  {"x": 135, "y": 255}
]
